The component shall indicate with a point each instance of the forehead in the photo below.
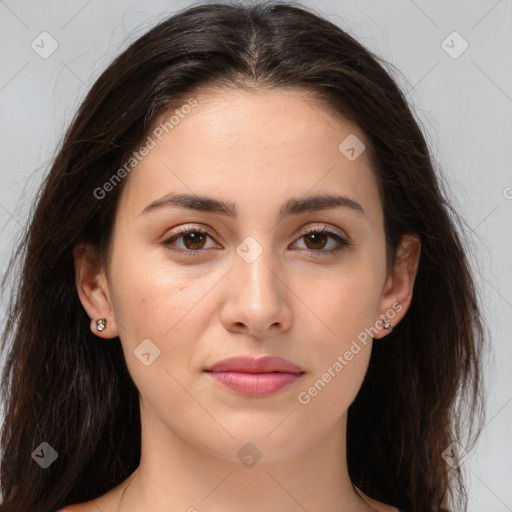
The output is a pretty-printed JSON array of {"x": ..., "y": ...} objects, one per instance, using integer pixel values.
[{"x": 243, "y": 144}]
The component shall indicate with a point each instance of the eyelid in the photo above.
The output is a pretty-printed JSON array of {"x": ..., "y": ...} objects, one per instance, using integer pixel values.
[
  {"x": 176, "y": 233},
  {"x": 325, "y": 227},
  {"x": 342, "y": 238},
  {"x": 300, "y": 232}
]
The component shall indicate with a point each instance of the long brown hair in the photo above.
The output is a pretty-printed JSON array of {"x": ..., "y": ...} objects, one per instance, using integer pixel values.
[{"x": 65, "y": 386}]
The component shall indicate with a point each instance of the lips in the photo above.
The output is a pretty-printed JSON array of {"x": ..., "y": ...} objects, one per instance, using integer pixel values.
[
  {"x": 247, "y": 364},
  {"x": 255, "y": 377}
]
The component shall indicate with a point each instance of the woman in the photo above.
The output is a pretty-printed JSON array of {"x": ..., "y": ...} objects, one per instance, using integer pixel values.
[{"x": 242, "y": 287}]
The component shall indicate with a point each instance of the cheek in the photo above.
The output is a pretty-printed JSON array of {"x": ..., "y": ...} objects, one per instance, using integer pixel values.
[
  {"x": 342, "y": 351},
  {"x": 158, "y": 326},
  {"x": 329, "y": 392},
  {"x": 151, "y": 303},
  {"x": 346, "y": 304},
  {"x": 347, "y": 310},
  {"x": 150, "y": 296}
]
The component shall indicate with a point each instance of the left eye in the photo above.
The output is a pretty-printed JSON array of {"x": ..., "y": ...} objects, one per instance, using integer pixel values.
[
  {"x": 321, "y": 236},
  {"x": 194, "y": 241}
]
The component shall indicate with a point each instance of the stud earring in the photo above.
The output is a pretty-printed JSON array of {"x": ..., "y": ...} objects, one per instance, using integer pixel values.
[
  {"x": 101, "y": 324},
  {"x": 387, "y": 325}
]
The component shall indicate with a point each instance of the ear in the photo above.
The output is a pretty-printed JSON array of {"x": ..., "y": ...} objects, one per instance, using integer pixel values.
[
  {"x": 92, "y": 287},
  {"x": 398, "y": 289}
]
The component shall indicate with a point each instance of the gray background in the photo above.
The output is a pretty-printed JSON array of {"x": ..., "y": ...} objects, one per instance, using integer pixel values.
[{"x": 464, "y": 105}]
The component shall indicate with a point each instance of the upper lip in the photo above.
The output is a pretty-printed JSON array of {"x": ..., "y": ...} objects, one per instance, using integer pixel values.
[{"x": 249, "y": 364}]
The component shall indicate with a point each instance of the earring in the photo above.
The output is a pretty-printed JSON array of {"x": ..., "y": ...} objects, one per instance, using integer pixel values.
[
  {"x": 101, "y": 324},
  {"x": 387, "y": 325}
]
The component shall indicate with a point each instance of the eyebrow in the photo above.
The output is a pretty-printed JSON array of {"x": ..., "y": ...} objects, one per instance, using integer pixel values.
[{"x": 294, "y": 206}]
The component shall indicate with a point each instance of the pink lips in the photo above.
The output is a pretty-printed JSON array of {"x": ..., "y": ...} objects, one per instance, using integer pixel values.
[{"x": 255, "y": 377}]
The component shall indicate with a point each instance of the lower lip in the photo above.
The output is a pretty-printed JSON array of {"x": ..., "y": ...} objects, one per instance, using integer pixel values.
[{"x": 256, "y": 384}]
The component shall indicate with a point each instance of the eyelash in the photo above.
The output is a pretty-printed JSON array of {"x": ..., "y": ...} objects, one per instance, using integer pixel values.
[{"x": 188, "y": 252}]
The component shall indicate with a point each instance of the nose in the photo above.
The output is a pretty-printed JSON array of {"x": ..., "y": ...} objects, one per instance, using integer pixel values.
[{"x": 257, "y": 298}]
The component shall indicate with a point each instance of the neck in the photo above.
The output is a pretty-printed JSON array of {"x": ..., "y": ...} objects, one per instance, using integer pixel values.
[{"x": 174, "y": 475}]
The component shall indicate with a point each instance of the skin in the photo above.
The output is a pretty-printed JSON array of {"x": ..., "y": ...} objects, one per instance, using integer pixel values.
[{"x": 256, "y": 150}]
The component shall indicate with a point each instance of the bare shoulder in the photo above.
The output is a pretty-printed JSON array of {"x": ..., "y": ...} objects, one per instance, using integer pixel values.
[
  {"x": 79, "y": 507},
  {"x": 377, "y": 505},
  {"x": 88, "y": 506},
  {"x": 382, "y": 507},
  {"x": 105, "y": 503}
]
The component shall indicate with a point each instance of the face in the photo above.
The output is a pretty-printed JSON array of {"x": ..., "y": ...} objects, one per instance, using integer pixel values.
[{"x": 258, "y": 274}]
